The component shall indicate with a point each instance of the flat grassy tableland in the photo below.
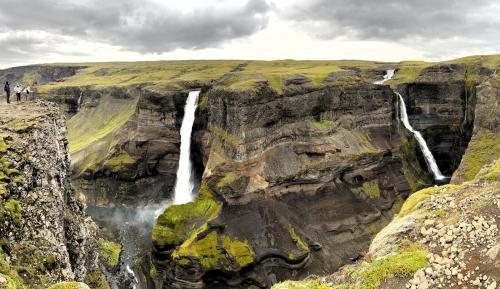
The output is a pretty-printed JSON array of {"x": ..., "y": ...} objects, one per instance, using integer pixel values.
[{"x": 154, "y": 72}]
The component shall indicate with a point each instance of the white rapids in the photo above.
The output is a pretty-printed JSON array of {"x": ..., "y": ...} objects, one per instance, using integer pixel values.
[{"x": 388, "y": 75}]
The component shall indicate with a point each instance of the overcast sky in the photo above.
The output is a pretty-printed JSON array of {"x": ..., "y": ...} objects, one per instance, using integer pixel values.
[{"x": 35, "y": 31}]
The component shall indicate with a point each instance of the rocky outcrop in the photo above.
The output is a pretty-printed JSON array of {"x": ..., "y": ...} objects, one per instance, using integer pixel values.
[{"x": 46, "y": 236}]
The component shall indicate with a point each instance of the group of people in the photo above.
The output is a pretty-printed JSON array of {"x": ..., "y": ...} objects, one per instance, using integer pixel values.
[{"x": 18, "y": 90}]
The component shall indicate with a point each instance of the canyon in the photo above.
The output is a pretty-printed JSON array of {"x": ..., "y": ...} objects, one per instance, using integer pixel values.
[{"x": 296, "y": 165}]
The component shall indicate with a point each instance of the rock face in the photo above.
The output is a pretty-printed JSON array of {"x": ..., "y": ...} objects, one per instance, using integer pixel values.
[
  {"x": 46, "y": 236},
  {"x": 303, "y": 179},
  {"x": 136, "y": 160},
  {"x": 444, "y": 236},
  {"x": 441, "y": 106}
]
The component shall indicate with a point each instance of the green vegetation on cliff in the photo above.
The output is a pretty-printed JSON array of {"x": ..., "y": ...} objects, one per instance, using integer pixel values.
[
  {"x": 69, "y": 285},
  {"x": 403, "y": 264},
  {"x": 215, "y": 251},
  {"x": 109, "y": 253},
  {"x": 89, "y": 126},
  {"x": 178, "y": 222},
  {"x": 8, "y": 272},
  {"x": 483, "y": 149}
]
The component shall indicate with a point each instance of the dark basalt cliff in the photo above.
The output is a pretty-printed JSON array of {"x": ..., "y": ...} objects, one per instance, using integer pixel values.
[
  {"x": 46, "y": 236},
  {"x": 137, "y": 162},
  {"x": 297, "y": 183}
]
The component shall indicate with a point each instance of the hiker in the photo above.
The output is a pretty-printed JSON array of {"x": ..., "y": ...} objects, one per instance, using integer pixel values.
[
  {"x": 6, "y": 88},
  {"x": 18, "y": 91},
  {"x": 27, "y": 91}
]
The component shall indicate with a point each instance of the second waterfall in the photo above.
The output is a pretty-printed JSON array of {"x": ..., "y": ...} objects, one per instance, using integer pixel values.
[{"x": 184, "y": 185}]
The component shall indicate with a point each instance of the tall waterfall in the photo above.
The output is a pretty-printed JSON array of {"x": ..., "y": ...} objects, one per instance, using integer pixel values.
[
  {"x": 429, "y": 158},
  {"x": 184, "y": 184},
  {"x": 388, "y": 75}
]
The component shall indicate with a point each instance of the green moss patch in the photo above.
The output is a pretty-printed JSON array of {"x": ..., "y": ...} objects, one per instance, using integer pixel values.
[
  {"x": 324, "y": 124},
  {"x": 97, "y": 280},
  {"x": 416, "y": 200},
  {"x": 297, "y": 240},
  {"x": 20, "y": 125},
  {"x": 10, "y": 274},
  {"x": 400, "y": 265},
  {"x": 3, "y": 145},
  {"x": 178, "y": 222},
  {"x": 109, "y": 253},
  {"x": 490, "y": 174},
  {"x": 14, "y": 210},
  {"x": 117, "y": 163},
  {"x": 483, "y": 149},
  {"x": 216, "y": 251},
  {"x": 372, "y": 189},
  {"x": 227, "y": 179},
  {"x": 69, "y": 285}
]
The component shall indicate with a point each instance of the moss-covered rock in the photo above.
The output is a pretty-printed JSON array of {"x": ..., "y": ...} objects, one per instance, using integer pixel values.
[
  {"x": 178, "y": 222},
  {"x": 483, "y": 148},
  {"x": 69, "y": 285},
  {"x": 215, "y": 251},
  {"x": 14, "y": 210},
  {"x": 109, "y": 253}
]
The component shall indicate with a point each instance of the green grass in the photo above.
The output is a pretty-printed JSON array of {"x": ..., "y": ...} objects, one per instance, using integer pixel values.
[
  {"x": 408, "y": 71},
  {"x": 482, "y": 150},
  {"x": 109, "y": 253},
  {"x": 400, "y": 265},
  {"x": 170, "y": 73},
  {"x": 117, "y": 163},
  {"x": 87, "y": 127},
  {"x": 416, "y": 200}
]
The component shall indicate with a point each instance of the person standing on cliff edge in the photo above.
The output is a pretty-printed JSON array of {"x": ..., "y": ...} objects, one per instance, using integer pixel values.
[
  {"x": 18, "y": 91},
  {"x": 6, "y": 88}
]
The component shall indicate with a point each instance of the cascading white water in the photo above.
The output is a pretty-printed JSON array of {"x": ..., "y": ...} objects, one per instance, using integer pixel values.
[
  {"x": 429, "y": 158},
  {"x": 184, "y": 184},
  {"x": 388, "y": 75}
]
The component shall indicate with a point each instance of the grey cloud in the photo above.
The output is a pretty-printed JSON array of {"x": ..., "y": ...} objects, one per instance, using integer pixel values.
[
  {"x": 398, "y": 19},
  {"x": 134, "y": 24}
]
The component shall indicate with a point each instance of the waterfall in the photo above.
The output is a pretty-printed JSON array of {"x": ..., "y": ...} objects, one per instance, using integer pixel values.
[
  {"x": 388, "y": 75},
  {"x": 79, "y": 102},
  {"x": 184, "y": 184},
  {"x": 429, "y": 158}
]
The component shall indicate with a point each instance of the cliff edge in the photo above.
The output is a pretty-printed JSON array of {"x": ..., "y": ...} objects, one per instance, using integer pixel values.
[{"x": 45, "y": 235}]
